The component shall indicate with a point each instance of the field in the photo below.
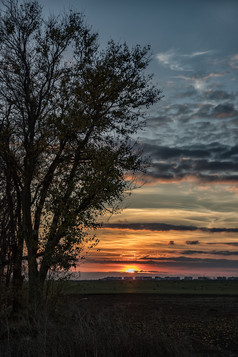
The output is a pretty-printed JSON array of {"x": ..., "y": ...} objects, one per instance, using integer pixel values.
[
  {"x": 186, "y": 318},
  {"x": 181, "y": 325},
  {"x": 128, "y": 319},
  {"x": 210, "y": 287}
]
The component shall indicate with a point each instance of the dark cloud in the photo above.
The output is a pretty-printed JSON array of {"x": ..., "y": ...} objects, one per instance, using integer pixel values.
[
  {"x": 196, "y": 142},
  {"x": 176, "y": 261},
  {"x": 196, "y": 176},
  {"x": 191, "y": 252},
  {"x": 218, "y": 95},
  {"x": 189, "y": 92},
  {"x": 206, "y": 163},
  {"x": 163, "y": 227},
  {"x": 150, "y": 226},
  {"x": 230, "y": 152},
  {"x": 181, "y": 109},
  {"x": 213, "y": 252},
  {"x": 212, "y": 150},
  {"x": 163, "y": 152},
  {"x": 188, "y": 262},
  {"x": 220, "y": 111},
  {"x": 192, "y": 242},
  {"x": 202, "y": 165},
  {"x": 160, "y": 120},
  {"x": 224, "y": 111},
  {"x": 234, "y": 244},
  {"x": 204, "y": 111}
]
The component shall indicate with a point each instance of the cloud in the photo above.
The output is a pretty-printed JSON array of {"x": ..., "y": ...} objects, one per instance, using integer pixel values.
[
  {"x": 151, "y": 180},
  {"x": 190, "y": 91},
  {"x": 202, "y": 76},
  {"x": 171, "y": 242},
  {"x": 169, "y": 262},
  {"x": 213, "y": 252},
  {"x": 207, "y": 94},
  {"x": 192, "y": 242},
  {"x": 210, "y": 172},
  {"x": 210, "y": 163},
  {"x": 218, "y": 95},
  {"x": 163, "y": 227},
  {"x": 164, "y": 152},
  {"x": 201, "y": 53},
  {"x": 195, "y": 138},
  {"x": 199, "y": 80},
  {"x": 233, "y": 62},
  {"x": 230, "y": 152},
  {"x": 224, "y": 111},
  {"x": 181, "y": 261},
  {"x": 235, "y": 244},
  {"x": 169, "y": 59},
  {"x": 177, "y": 61}
]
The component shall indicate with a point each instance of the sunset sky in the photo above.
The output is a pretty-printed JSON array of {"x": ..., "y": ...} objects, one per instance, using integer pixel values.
[{"x": 184, "y": 219}]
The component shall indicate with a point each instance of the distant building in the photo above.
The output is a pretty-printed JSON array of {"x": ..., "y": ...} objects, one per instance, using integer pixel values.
[
  {"x": 112, "y": 278},
  {"x": 188, "y": 278},
  {"x": 128, "y": 277},
  {"x": 203, "y": 278},
  {"x": 172, "y": 278},
  {"x": 233, "y": 278},
  {"x": 221, "y": 278},
  {"x": 147, "y": 278},
  {"x": 159, "y": 278}
]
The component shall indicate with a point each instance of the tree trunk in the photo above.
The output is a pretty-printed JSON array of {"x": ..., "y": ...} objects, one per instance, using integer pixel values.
[
  {"x": 17, "y": 279},
  {"x": 34, "y": 291}
]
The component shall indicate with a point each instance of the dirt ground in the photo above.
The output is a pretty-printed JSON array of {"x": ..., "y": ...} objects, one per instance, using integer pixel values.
[{"x": 209, "y": 324}]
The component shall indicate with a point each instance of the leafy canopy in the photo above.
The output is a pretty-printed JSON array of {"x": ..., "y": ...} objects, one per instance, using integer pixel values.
[{"x": 68, "y": 110}]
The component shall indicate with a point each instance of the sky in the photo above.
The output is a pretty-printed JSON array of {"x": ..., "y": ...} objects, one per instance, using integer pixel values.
[{"x": 184, "y": 219}]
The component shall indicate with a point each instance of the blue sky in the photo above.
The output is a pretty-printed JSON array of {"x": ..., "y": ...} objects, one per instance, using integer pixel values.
[{"x": 191, "y": 135}]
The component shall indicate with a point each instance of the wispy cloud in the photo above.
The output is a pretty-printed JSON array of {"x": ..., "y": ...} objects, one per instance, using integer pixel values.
[
  {"x": 199, "y": 81},
  {"x": 177, "y": 61},
  {"x": 199, "y": 53},
  {"x": 233, "y": 62},
  {"x": 169, "y": 59}
]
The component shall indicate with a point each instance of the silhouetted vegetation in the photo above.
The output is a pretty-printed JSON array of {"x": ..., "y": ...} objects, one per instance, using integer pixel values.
[{"x": 68, "y": 110}]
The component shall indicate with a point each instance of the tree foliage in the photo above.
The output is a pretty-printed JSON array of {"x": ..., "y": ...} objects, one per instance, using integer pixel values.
[{"x": 68, "y": 110}]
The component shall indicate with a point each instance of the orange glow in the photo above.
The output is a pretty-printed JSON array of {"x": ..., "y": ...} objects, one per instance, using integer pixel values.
[{"x": 130, "y": 269}]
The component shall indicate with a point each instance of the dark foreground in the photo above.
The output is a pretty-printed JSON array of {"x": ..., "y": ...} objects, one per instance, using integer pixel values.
[
  {"x": 124, "y": 325},
  {"x": 182, "y": 325}
]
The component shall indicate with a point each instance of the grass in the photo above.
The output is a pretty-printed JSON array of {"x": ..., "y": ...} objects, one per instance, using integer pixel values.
[
  {"x": 211, "y": 287},
  {"x": 126, "y": 318},
  {"x": 74, "y": 331}
]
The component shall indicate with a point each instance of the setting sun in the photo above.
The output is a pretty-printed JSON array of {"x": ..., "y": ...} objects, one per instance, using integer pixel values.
[{"x": 131, "y": 270}]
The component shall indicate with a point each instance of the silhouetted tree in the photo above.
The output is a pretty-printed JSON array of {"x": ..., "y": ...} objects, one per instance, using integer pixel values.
[{"x": 67, "y": 113}]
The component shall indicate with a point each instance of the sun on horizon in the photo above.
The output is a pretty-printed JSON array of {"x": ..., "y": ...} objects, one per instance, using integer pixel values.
[{"x": 130, "y": 269}]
